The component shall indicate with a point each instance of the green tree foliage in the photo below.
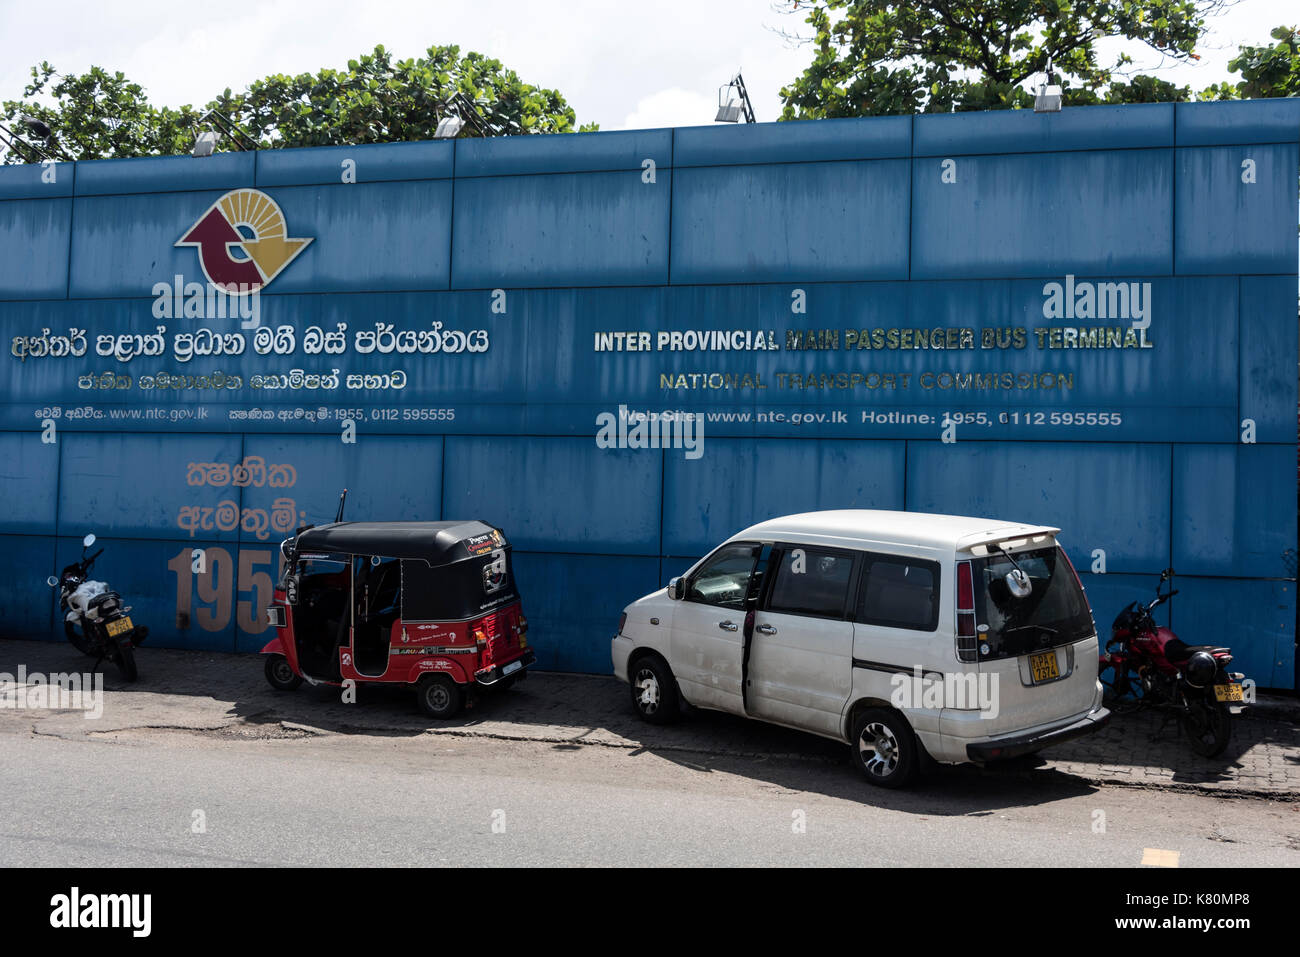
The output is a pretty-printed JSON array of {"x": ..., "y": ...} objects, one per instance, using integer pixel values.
[
  {"x": 377, "y": 99},
  {"x": 874, "y": 57},
  {"x": 1272, "y": 70}
]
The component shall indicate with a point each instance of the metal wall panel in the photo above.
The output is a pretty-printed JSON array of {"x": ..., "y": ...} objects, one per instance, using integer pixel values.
[
  {"x": 25, "y": 562},
  {"x": 1103, "y": 213},
  {"x": 331, "y": 165},
  {"x": 34, "y": 234},
  {"x": 29, "y": 484},
  {"x": 1023, "y": 131},
  {"x": 1101, "y": 496},
  {"x": 141, "y": 486},
  {"x": 563, "y": 153},
  {"x": 1227, "y": 503},
  {"x": 811, "y": 222},
  {"x": 573, "y": 603},
  {"x": 1225, "y": 225},
  {"x": 165, "y": 174},
  {"x": 556, "y": 494},
  {"x": 1268, "y": 390},
  {"x": 1255, "y": 618},
  {"x": 369, "y": 236},
  {"x": 562, "y": 229},
  {"x": 741, "y": 482},
  {"x": 747, "y": 144}
]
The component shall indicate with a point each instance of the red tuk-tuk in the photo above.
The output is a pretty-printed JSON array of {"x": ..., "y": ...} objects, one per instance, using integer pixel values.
[{"x": 432, "y": 605}]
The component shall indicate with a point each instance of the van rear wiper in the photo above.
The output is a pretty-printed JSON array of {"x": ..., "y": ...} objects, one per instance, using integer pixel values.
[{"x": 1043, "y": 628}]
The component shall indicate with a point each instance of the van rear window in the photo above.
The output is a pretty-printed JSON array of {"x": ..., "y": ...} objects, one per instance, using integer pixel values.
[{"x": 1054, "y": 613}]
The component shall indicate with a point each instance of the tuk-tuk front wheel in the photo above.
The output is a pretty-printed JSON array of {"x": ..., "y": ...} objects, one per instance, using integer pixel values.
[
  {"x": 439, "y": 696},
  {"x": 280, "y": 674}
]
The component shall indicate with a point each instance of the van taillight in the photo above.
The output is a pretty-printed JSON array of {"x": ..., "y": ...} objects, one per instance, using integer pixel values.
[{"x": 966, "y": 637}]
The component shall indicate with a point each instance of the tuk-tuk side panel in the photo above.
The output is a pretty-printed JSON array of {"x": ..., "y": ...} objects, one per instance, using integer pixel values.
[
  {"x": 457, "y": 670},
  {"x": 424, "y": 642}
]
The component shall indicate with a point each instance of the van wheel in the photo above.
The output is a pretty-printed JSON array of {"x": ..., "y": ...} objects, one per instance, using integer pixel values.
[
  {"x": 439, "y": 696},
  {"x": 885, "y": 748},
  {"x": 280, "y": 675},
  {"x": 654, "y": 691}
]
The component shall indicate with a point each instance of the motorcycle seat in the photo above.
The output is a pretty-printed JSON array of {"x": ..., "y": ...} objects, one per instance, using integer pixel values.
[{"x": 1177, "y": 650}]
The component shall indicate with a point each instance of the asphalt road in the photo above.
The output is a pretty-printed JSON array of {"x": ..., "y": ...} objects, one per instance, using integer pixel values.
[{"x": 131, "y": 797}]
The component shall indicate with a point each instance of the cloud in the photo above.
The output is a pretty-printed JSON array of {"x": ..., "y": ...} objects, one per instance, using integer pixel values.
[{"x": 671, "y": 107}]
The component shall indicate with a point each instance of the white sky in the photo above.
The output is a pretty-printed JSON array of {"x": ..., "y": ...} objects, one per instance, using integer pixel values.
[{"x": 622, "y": 64}]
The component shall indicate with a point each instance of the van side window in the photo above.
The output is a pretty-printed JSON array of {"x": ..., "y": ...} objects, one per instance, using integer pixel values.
[
  {"x": 724, "y": 579},
  {"x": 899, "y": 593},
  {"x": 811, "y": 581}
]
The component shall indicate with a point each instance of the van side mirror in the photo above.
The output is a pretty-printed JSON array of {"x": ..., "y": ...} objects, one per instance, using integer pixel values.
[{"x": 675, "y": 589}]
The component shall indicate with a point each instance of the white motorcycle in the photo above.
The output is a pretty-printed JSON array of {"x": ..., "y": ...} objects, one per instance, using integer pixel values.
[{"x": 94, "y": 619}]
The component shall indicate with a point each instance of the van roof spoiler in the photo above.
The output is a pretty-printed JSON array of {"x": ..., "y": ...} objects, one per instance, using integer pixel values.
[{"x": 1004, "y": 533}]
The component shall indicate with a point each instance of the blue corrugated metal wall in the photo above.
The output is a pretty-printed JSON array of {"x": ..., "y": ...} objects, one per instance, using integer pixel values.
[{"x": 933, "y": 221}]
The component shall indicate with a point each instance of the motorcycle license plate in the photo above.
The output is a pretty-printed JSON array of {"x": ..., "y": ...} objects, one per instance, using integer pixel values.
[
  {"x": 1227, "y": 692},
  {"x": 512, "y": 668},
  {"x": 1043, "y": 667},
  {"x": 120, "y": 626}
]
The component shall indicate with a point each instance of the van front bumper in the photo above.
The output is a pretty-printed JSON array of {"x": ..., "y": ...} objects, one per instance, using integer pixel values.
[{"x": 1002, "y": 748}]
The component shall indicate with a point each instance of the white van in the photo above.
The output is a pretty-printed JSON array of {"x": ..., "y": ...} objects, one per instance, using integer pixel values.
[{"x": 900, "y": 633}]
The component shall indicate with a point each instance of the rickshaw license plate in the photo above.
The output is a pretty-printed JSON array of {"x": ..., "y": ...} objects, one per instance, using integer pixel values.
[
  {"x": 1227, "y": 692},
  {"x": 1043, "y": 667},
  {"x": 116, "y": 628},
  {"x": 511, "y": 668}
]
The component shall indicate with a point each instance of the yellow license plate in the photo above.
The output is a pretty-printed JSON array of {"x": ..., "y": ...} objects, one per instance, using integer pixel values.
[
  {"x": 1227, "y": 692},
  {"x": 1043, "y": 667},
  {"x": 116, "y": 628}
]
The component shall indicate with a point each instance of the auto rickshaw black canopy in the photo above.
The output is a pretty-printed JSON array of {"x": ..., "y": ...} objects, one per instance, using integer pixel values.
[{"x": 435, "y": 543}]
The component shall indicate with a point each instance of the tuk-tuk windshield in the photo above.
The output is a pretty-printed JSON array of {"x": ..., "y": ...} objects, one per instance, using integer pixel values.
[{"x": 465, "y": 589}]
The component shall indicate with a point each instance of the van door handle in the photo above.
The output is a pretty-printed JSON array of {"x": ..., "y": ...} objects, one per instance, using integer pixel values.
[
  {"x": 765, "y": 630},
  {"x": 728, "y": 625}
]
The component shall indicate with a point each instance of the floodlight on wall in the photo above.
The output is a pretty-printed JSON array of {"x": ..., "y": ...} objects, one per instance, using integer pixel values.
[
  {"x": 21, "y": 148},
  {"x": 448, "y": 127},
  {"x": 1048, "y": 97},
  {"x": 733, "y": 102},
  {"x": 459, "y": 113},
  {"x": 205, "y": 144}
]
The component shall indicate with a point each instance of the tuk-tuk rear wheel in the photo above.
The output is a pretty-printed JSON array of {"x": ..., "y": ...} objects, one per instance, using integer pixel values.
[
  {"x": 280, "y": 674},
  {"x": 439, "y": 696}
]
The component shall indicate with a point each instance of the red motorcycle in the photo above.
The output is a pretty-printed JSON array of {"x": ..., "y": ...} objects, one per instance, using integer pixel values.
[{"x": 1149, "y": 667}]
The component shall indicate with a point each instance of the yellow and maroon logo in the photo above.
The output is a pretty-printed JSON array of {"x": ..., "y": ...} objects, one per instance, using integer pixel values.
[{"x": 243, "y": 241}]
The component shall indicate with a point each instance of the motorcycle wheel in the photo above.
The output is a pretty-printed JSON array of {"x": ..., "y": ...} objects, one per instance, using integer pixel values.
[
  {"x": 77, "y": 639},
  {"x": 1208, "y": 726},
  {"x": 125, "y": 661}
]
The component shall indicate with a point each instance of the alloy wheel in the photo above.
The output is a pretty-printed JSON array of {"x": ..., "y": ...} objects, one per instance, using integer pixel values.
[
  {"x": 878, "y": 749},
  {"x": 648, "y": 691}
]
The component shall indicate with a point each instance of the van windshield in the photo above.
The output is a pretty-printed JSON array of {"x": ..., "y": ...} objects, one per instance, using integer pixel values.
[{"x": 1054, "y": 613}]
